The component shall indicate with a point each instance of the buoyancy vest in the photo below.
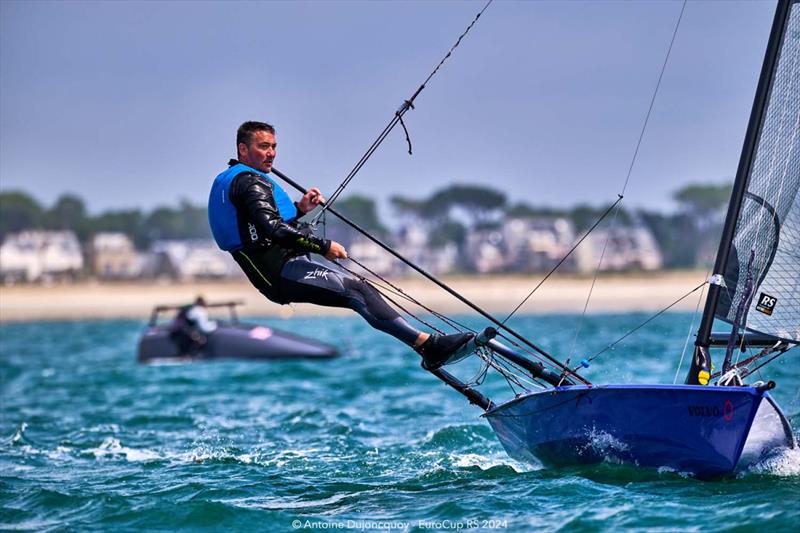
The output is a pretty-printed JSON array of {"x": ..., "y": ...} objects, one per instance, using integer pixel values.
[{"x": 222, "y": 214}]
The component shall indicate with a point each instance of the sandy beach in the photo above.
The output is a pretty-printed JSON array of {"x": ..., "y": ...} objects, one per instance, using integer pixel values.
[{"x": 496, "y": 294}]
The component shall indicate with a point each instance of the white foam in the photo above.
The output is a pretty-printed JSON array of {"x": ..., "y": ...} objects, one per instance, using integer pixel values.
[
  {"x": 19, "y": 434},
  {"x": 783, "y": 462},
  {"x": 484, "y": 462},
  {"x": 113, "y": 447},
  {"x": 61, "y": 452},
  {"x": 279, "y": 459},
  {"x": 604, "y": 444},
  {"x": 260, "y": 502}
]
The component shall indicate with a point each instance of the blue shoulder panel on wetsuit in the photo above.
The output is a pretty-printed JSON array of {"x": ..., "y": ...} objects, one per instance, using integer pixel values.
[{"x": 222, "y": 214}]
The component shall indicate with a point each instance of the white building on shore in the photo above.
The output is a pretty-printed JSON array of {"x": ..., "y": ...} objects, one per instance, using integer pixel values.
[
  {"x": 112, "y": 255},
  {"x": 37, "y": 255},
  {"x": 189, "y": 259}
]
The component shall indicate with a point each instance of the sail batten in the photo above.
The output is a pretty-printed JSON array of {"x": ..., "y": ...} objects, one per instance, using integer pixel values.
[{"x": 768, "y": 224}]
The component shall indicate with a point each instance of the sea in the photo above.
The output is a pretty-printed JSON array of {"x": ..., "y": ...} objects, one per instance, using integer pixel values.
[{"x": 91, "y": 440}]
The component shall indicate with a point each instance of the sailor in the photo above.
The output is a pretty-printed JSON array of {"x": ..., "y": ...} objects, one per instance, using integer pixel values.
[
  {"x": 191, "y": 326},
  {"x": 255, "y": 220}
]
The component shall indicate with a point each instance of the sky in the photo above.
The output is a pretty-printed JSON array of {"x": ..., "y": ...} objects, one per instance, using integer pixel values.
[{"x": 135, "y": 104}]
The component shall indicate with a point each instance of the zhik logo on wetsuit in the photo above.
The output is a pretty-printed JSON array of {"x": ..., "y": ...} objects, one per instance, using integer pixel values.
[{"x": 317, "y": 273}]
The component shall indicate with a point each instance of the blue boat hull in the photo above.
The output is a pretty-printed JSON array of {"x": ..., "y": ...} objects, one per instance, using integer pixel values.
[{"x": 698, "y": 430}]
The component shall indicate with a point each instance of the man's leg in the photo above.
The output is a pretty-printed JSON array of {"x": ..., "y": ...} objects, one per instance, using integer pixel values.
[{"x": 306, "y": 281}]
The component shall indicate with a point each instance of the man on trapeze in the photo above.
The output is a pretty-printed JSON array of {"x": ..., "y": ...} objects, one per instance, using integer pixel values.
[{"x": 254, "y": 219}]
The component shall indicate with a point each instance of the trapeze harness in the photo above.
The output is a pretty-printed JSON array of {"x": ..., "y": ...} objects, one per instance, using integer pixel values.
[{"x": 285, "y": 276}]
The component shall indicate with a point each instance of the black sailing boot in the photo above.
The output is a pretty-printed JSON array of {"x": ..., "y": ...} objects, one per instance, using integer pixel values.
[{"x": 438, "y": 348}]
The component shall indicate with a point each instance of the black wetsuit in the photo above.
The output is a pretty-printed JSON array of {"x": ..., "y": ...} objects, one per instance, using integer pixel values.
[
  {"x": 276, "y": 260},
  {"x": 186, "y": 334}
]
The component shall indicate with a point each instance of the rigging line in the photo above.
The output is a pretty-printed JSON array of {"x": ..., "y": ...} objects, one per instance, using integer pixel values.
[
  {"x": 398, "y": 117},
  {"x": 409, "y": 313},
  {"x": 497, "y": 359},
  {"x": 630, "y": 172},
  {"x": 517, "y": 371},
  {"x": 594, "y": 281},
  {"x": 603, "y": 216},
  {"x": 765, "y": 363},
  {"x": 361, "y": 162},
  {"x": 451, "y": 322},
  {"x": 630, "y": 168},
  {"x": 778, "y": 350},
  {"x": 382, "y": 290},
  {"x": 691, "y": 328},
  {"x": 501, "y": 366},
  {"x": 519, "y": 374},
  {"x": 534, "y": 355},
  {"x": 436, "y": 281},
  {"x": 653, "y": 99},
  {"x": 637, "y": 328},
  {"x": 400, "y": 292},
  {"x": 478, "y": 379},
  {"x": 514, "y": 368}
]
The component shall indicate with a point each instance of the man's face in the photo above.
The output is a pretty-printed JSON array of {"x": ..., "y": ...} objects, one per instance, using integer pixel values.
[{"x": 260, "y": 152}]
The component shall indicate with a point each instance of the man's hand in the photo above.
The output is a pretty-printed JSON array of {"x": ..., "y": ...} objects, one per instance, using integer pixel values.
[
  {"x": 311, "y": 199},
  {"x": 337, "y": 251}
]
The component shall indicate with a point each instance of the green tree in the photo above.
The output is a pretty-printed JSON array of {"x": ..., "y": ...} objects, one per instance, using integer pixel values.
[
  {"x": 129, "y": 222},
  {"x": 477, "y": 202},
  {"x": 185, "y": 222},
  {"x": 69, "y": 213},
  {"x": 416, "y": 209},
  {"x": 704, "y": 198},
  {"x": 705, "y": 206},
  {"x": 19, "y": 211},
  {"x": 678, "y": 238},
  {"x": 359, "y": 209},
  {"x": 703, "y": 211},
  {"x": 363, "y": 211},
  {"x": 585, "y": 216},
  {"x": 448, "y": 231},
  {"x": 523, "y": 210}
]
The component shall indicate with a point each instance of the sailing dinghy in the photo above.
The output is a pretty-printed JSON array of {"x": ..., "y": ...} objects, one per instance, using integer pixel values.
[
  {"x": 703, "y": 427},
  {"x": 716, "y": 422}
]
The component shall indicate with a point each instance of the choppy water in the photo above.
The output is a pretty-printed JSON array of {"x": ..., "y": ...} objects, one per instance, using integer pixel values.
[{"x": 91, "y": 440}]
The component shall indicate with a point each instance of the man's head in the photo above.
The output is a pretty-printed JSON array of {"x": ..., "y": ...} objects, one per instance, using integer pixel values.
[
  {"x": 256, "y": 145},
  {"x": 200, "y": 301}
]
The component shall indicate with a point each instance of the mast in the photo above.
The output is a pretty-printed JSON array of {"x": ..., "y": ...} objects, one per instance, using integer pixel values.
[{"x": 699, "y": 372}]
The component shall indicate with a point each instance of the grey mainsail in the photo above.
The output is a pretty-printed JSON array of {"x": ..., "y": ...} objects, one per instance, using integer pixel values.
[{"x": 769, "y": 217}]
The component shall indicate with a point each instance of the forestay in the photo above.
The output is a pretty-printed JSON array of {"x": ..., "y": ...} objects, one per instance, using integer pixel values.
[{"x": 769, "y": 219}]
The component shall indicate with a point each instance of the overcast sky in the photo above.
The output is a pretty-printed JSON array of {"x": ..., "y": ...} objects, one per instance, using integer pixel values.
[{"x": 135, "y": 104}]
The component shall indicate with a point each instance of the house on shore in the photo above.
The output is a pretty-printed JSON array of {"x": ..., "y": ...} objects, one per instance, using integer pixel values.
[
  {"x": 112, "y": 256},
  {"x": 40, "y": 256},
  {"x": 189, "y": 259},
  {"x": 622, "y": 248}
]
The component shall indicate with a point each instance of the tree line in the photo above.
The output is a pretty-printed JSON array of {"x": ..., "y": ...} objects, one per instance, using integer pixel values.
[
  {"x": 687, "y": 237},
  {"x": 19, "y": 211}
]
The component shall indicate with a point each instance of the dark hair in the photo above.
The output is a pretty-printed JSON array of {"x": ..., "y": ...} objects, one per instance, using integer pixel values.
[
  {"x": 246, "y": 130},
  {"x": 200, "y": 301}
]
